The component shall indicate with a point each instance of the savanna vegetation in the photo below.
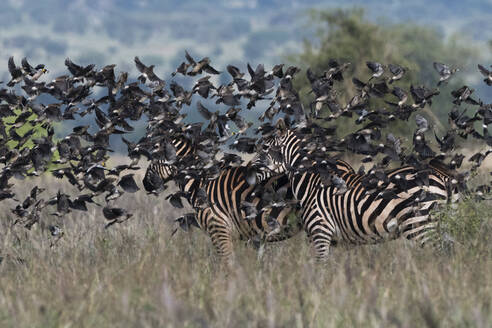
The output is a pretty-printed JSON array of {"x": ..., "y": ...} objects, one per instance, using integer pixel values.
[{"x": 138, "y": 274}]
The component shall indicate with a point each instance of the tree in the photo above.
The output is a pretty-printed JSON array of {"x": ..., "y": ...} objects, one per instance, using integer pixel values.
[
  {"x": 348, "y": 36},
  {"x": 23, "y": 133}
]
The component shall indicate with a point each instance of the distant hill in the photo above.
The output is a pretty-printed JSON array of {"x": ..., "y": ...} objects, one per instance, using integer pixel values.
[
  {"x": 228, "y": 31},
  {"x": 104, "y": 31}
]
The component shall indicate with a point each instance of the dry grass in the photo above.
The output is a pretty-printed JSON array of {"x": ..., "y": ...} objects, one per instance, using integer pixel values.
[{"x": 135, "y": 275}]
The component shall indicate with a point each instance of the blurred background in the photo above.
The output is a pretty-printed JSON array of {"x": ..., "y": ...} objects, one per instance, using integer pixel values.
[{"x": 305, "y": 33}]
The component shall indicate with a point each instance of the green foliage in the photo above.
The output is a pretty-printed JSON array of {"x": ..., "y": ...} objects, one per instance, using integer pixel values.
[
  {"x": 348, "y": 36},
  {"x": 30, "y": 124},
  {"x": 39, "y": 131},
  {"x": 467, "y": 223}
]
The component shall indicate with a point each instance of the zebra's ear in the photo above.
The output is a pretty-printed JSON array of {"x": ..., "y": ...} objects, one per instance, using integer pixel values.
[{"x": 281, "y": 127}]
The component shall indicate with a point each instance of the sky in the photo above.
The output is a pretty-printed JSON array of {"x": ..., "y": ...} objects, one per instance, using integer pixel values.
[{"x": 236, "y": 32}]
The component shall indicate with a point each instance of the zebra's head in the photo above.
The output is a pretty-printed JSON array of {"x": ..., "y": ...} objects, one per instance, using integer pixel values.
[
  {"x": 156, "y": 176},
  {"x": 272, "y": 152},
  {"x": 161, "y": 171}
]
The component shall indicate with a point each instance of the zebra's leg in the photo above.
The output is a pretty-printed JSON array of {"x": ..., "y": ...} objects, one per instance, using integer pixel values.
[
  {"x": 219, "y": 232},
  {"x": 222, "y": 240},
  {"x": 320, "y": 234}
]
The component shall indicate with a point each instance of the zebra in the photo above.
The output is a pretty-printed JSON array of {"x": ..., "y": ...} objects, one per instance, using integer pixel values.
[
  {"x": 221, "y": 205},
  {"x": 230, "y": 203},
  {"x": 400, "y": 206}
]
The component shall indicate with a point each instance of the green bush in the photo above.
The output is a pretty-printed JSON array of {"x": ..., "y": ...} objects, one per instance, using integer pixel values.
[{"x": 348, "y": 36}]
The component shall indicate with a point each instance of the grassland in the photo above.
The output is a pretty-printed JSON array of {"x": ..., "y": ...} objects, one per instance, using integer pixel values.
[{"x": 135, "y": 275}]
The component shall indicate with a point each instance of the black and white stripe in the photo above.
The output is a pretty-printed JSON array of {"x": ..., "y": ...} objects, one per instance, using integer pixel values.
[
  {"x": 165, "y": 170},
  {"x": 223, "y": 215},
  {"x": 360, "y": 215}
]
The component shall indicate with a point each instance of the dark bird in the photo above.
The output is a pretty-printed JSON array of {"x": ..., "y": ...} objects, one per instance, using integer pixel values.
[
  {"x": 66, "y": 172},
  {"x": 203, "y": 86},
  {"x": 32, "y": 198},
  {"x": 115, "y": 215},
  {"x": 335, "y": 71},
  {"x": 250, "y": 210},
  {"x": 339, "y": 183},
  {"x": 359, "y": 142},
  {"x": 444, "y": 71},
  {"x": 241, "y": 124},
  {"x": 175, "y": 199},
  {"x": 6, "y": 194},
  {"x": 234, "y": 72},
  {"x": 34, "y": 73},
  {"x": 120, "y": 168},
  {"x": 392, "y": 148},
  {"x": 462, "y": 122},
  {"x": 486, "y": 113},
  {"x": 120, "y": 82},
  {"x": 103, "y": 185},
  {"x": 62, "y": 202},
  {"x": 128, "y": 183},
  {"x": 55, "y": 230},
  {"x": 446, "y": 143},
  {"x": 32, "y": 88},
  {"x": 260, "y": 82},
  {"x": 422, "y": 124},
  {"x": 388, "y": 194},
  {"x": 135, "y": 151},
  {"x": 229, "y": 159},
  {"x": 277, "y": 71},
  {"x": 78, "y": 71},
  {"x": 463, "y": 94},
  {"x": 478, "y": 158},
  {"x": 15, "y": 72},
  {"x": 421, "y": 95},
  {"x": 182, "y": 68},
  {"x": 21, "y": 119},
  {"x": 79, "y": 203},
  {"x": 456, "y": 161},
  {"x": 401, "y": 95},
  {"x": 185, "y": 222},
  {"x": 244, "y": 144},
  {"x": 6, "y": 111},
  {"x": 226, "y": 95},
  {"x": 396, "y": 71},
  {"x": 421, "y": 146},
  {"x": 147, "y": 72},
  {"x": 376, "y": 68},
  {"x": 181, "y": 96},
  {"x": 485, "y": 72},
  {"x": 215, "y": 120},
  {"x": 481, "y": 191},
  {"x": 198, "y": 67}
]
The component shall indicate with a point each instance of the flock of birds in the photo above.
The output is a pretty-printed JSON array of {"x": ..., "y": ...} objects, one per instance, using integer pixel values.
[{"x": 29, "y": 148}]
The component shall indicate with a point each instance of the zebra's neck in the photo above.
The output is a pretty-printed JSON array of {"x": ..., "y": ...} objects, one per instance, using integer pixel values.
[
  {"x": 291, "y": 151},
  {"x": 301, "y": 182},
  {"x": 191, "y": 186},
  {"x": 183, "y": 146}
]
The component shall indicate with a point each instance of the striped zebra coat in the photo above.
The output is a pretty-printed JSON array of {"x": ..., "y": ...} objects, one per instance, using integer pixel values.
[
  {"x": 399, "y": 206},
  {"x": 227, "y": 201}
]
